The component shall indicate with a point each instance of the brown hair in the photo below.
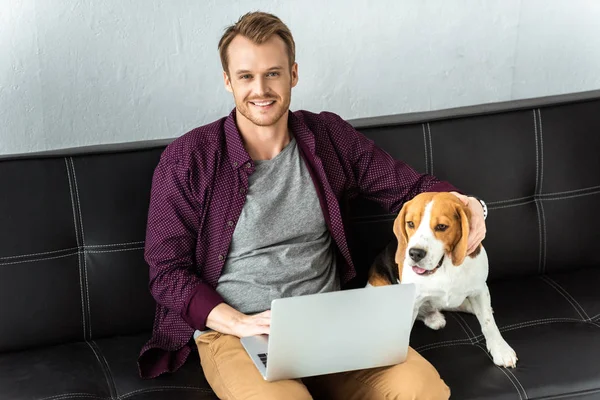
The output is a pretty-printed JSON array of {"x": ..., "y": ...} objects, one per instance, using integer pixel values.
[{"x": 258, "y": 27}]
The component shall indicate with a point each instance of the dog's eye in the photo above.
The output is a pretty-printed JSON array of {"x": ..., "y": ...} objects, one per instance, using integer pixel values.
[
  {"x": 410, "y": 224},
  {"x": 441, "y": 227}
]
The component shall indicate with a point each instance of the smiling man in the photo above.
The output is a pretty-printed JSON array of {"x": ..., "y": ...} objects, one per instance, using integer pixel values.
[{"x": 247, "y": 209}]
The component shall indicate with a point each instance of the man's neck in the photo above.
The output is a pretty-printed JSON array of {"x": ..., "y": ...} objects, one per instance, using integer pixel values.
[{"x": 263, "y": 142}]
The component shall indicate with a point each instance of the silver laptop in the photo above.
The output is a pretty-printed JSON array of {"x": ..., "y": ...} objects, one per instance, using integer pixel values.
[{"x": 335, "y": 332}]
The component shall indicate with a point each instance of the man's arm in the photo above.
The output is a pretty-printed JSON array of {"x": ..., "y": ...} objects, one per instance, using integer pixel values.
[
  {"x": 171, "y": 235},
  {"x": 391, "y": 182}
]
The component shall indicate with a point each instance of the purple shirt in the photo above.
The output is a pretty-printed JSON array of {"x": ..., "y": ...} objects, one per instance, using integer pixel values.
[{"x": 198, "y": 191}]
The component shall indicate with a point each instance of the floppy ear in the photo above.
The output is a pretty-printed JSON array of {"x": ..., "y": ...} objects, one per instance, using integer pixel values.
[
  {"x": 400, "y": 232},
  {"x": 460, "y": 249}
]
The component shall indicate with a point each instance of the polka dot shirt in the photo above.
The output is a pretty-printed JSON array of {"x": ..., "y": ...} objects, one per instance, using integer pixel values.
[{"x": 198, "y": 190}]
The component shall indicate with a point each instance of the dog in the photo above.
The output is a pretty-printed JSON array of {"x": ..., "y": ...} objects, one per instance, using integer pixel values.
[{"x": 430, "y": 251}]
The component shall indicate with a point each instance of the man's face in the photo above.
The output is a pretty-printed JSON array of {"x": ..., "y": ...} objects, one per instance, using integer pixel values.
[{"x": 260, "y": 79}]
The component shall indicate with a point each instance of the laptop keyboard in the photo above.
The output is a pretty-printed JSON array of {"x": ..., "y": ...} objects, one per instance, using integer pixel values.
[{"x": 263, "y": 358}]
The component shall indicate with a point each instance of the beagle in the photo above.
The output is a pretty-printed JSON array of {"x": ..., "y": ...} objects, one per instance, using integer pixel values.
[{"x": 431, "y": 252}]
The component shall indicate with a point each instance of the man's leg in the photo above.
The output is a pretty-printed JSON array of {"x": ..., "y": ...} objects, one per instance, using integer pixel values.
[
  {"x": 415, "y": 379},
  {"x": 233, "y": 376}
]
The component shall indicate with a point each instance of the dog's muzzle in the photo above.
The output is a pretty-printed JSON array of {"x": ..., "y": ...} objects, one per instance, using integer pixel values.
[{"x": 425, "y": 272}]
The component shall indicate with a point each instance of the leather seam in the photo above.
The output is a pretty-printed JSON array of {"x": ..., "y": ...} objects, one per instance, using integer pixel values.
[
  {"x": 580, "y": 310},
  {"x": 504, "y": 371},
  {"x": 72, "y": 195},
  {"x": 112, "y": 390},
  {"x": 87, "y": 288}
]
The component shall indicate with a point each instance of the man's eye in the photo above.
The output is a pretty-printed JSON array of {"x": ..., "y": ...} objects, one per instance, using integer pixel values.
[
  {"x": 273, "y": 74},
  {"x": 245, "y": 76},
  {"x": 441, "y": 227},
  {"x": 410, "y": 224}
]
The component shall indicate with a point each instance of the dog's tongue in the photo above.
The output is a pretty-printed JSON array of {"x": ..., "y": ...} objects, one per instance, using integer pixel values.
[{"x": 418, "y": 270}]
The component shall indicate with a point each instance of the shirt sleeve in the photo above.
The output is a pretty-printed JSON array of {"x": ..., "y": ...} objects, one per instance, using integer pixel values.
[
  {"x": 381, "y": 178},
  {"x": 171, "y": 236}
]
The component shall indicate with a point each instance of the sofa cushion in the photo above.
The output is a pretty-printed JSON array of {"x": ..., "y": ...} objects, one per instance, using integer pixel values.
[
  {"x": 100, "y": 369},
  {"x": 551, "y": 321}
]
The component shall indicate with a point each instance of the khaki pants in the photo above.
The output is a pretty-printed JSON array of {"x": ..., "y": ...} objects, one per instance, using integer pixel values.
[{"x": 233, "y": 376}]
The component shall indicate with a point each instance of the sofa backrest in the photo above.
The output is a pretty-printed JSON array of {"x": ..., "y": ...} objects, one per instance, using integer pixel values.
[{"x": 72, "y": 222}]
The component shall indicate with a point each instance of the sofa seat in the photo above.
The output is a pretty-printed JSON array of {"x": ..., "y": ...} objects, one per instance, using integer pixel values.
[
  {"x": 553, "y": 323},
  {"x": 96, "y": 370}
]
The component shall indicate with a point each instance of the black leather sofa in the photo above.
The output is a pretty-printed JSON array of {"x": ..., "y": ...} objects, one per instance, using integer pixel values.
[{"x": 75, "y": 308}]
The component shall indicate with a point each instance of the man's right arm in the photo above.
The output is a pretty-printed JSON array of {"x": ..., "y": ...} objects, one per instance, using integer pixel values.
[{"x": 171, "y": 236}]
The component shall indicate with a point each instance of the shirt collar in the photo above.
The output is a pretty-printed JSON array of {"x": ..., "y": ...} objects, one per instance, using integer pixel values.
[{"x": 237, "y": 154}]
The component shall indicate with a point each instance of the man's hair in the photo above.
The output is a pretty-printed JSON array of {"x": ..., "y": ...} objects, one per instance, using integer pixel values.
[{"x": 258, "y": 27}]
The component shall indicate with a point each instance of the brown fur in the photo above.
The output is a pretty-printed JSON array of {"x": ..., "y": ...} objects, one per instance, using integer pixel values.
[{"x": 447, "y": 210}]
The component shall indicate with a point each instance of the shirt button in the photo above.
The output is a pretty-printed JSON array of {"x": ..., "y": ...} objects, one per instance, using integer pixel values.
[
  {"x": 248, "y": 165},
  {"x": 235, "y": 164},
  {"x": 221, "y": 258},
  {"x": 242, "y": 190},
  {"x": 230, "y": 223}
]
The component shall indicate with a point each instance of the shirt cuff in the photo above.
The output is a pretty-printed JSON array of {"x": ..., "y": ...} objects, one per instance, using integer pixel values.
[
  {"x": 443, "y": 186},
  {"x": 200, "y": 303}
]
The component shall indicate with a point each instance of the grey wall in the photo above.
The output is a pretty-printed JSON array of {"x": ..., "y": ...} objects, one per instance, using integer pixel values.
[{"x": 102, "y": 71}]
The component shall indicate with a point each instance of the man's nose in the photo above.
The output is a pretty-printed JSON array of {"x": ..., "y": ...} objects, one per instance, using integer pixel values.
[
  {"x": 260, "y": 87},
  {"x": 416, "y": 254}
]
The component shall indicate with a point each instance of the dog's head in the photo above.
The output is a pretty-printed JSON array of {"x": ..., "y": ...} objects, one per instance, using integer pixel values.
[{"x": 430, "y": 227}]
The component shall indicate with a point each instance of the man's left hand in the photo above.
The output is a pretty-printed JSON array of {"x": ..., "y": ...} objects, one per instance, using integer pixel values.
[{"x": 477, "y": 229}]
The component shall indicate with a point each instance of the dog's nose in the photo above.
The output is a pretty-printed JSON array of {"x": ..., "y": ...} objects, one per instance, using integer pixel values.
[{"x": 417, "y": 254}]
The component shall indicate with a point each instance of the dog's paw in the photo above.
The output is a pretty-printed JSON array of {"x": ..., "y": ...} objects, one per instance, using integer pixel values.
[
  {"x": 435, "y": 320},
  {"x": 503, "y": 354}
]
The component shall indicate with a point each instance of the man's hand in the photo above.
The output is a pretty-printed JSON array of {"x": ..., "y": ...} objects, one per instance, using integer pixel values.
[
  {"x": 477, "y": 229},
  {"x": 226, "y": 319}
]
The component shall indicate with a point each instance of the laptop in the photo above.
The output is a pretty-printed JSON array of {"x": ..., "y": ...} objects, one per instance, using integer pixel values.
[{"x": 333, "y": 332}]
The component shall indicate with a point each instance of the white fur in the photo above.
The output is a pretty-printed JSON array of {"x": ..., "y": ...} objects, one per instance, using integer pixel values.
[{"x": 453, "y": 288}]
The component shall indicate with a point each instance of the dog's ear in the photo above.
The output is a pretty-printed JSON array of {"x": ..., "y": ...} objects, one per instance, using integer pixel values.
[
  {"x": 460, "y": 249},
  {"x": 401, "y": 235}
]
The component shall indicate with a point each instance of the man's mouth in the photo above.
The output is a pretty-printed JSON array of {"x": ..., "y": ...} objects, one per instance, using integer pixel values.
[
  {"x": 425, "y": 272},
  {"x": 264, "y": 104}
]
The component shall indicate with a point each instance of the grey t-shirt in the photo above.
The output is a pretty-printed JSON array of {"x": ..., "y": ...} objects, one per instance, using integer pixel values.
[{"x": 281, "y": 246}]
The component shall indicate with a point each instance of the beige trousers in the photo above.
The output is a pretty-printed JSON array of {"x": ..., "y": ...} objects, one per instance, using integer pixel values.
[{"x": 233, "y": 376}]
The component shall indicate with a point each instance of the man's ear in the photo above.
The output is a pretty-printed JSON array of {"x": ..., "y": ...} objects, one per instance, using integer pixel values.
[
  {"x": 460, "y": 249},
  {"x": 227, "y": 82},
  {"x": 294, "y": 74}
]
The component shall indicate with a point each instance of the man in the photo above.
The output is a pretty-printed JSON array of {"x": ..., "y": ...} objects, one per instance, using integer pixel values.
[{"x": 246, "y": 209}]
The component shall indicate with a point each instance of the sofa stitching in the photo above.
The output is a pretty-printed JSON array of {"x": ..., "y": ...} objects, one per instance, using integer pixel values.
[
  {"x": 39, "y": 259},
  {"x": 541, "y": 151},
  {"x": 426, "y": 149},
  {"x": 548, "y": 198},
  {"x": 466, "y": 324},
  {"x": 71, "y": 194},
  {"x": 486, "y": 352},
  {"x": 556, "y": 286},
  {"x": 544, "y": 237},
  {"x": 430, "y": 149},
  {"x": 511, "y": 205},
  {"x": 115, "y": 244},
  {"x": 71, "y": 249},
  {"x": 87, "y": 289},
  {"x": 463, "y": 328},
  {"x": 571, "y": 192},
  {"x": 114, "y": 251},
  {"x": 163, "y": 388},
  {"x": 539, "y": 221},
  {"x": 539, "y": 322},
  {"x": 504, "y": 371},
  {"x": 537, "y": 155},
  {"x": 105, "y": 368},
  {"x": 74, "y": 395},
  {"x": 530, "y": 198},
  {"x": 37, "y": 254},
  {"x": 446, "y": 343}
]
